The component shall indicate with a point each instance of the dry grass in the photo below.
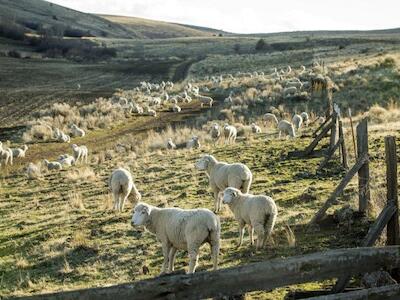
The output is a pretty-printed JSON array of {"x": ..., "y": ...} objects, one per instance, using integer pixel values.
[
  {"x": 75, "y": 200},
  {"x": 81, "y": 174}
]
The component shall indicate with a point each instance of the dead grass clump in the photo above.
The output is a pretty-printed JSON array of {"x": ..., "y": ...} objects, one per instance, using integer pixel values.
[
  {"x": 38, "y": 132},
  {"x": 83, "y": 173},
  {"x": 75, "y": 200}
]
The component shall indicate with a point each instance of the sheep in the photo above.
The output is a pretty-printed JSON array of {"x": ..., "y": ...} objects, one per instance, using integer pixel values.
[
  {"x": 305, "y": 118},
  {"x": 121, "y": 185},
  {"x": 19, "y": 152},
  {"x": 215, "y": 131},
  {"x": 230, "y": 133},
  {"x": 66, "y": 160},
  {"x": 257, "y": 211},
  {"x": 289, "y": 91},
  {"x": 76, "y": 131},
  {"x": 222, "y": 175},
  {"x": 52, "y": 165},
  {"x": 287, "y": 128},
  {"x": 137, "y": 109},
  {"x": 204, "y": 100},
  {"x": 183, "y": 229},
  {"x": 150, "y": 112},
  {"x": 193, "y": 143},
  {"x": 255, "y": 128},
  {"x": 176, "y": 108},
  {"x": 297, "y": 121},
  {"x": 80, "y": 152},
  {"x": 270, "y": 117},
  {"x": 170, "y": 144},
  {"x": 33, "y": 171},
  {"x": 61, "y": 136},
  {"x": 6, "y": 154}
]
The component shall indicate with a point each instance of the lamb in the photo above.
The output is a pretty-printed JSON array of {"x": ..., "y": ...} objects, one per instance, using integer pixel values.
[
  {"x": 271, "y": 117},
  {"x": 80, "y": 153},
  {"x": 215, "y": 131},
  {"x": 230, "y": 133},
  {"x": 121, "y": 185},
  {"x": 297, "y": 121},
  {"x": 287, "y": 128},
  {"x": 257, "y": 211},
  {"x": 6, "y": 154},
  {"x": 19, "y": 152},
  {"x": 170, "y": 144},
  {"x": 76, "y": 131},
  {"x": 255, "y": 128},
  {"x": 193, "y": 143},
  {"x": 305, "y": 118},
  {"x": 222, "y": 175},
  {"x": 176, "y": 108},
  {"x": 180, "y": 229},
  {"x": 204, "y": 100},
  {"x": 66, "y": 160},
  {"x": 52, "y": 165}
]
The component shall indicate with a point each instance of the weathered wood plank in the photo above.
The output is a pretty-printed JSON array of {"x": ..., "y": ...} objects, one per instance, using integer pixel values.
[
  {"x": 344, "y": 149},
  {"x": 364, "y": 196},
  {"x": 393, "y": 233},
  {"x": 330, "y": 153},
  {"x": 264, "y": 275},
  {"x": 389, "y": 292},
  {"x": 333, "y": 130},
  {"x": 349, "y": 175},
  {"x": 319, "y": 137},
  {"x": 315, "y": 133}
]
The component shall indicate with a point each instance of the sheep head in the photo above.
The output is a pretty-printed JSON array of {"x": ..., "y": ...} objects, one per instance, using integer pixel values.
[
  {"x": 141, "y": 214},
  {"x": 230, "y": 195}
]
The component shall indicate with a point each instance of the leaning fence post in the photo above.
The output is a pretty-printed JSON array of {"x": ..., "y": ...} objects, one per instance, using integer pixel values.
[
  {"x": 393, "y": 232},
  {"x": 344, "y": 150},
  {"x": 363, "y": 174},
  {"x": 333, "y": 130}
]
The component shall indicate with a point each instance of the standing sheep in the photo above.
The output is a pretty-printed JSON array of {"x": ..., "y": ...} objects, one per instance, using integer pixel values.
[
  {"x": 204, "y": 100},
  {"x": 52, "y": 165},
  {"x": 287, "y": 128},
  {"x": 66, "y": 160},
  {"x": 176, "y": 108},
  {"x": 259, "y": 212},
  {"x": 215, "y": 131},
  {"x": 121, "y": 185},
  {"x": 170, "y": 144},
  {"x": 222, "y": 175},
  {"x": 19, "y": 152},
  {"x": 297, "y": 121},
  {"x": 230, "y": 133},
  {"x": 6, "y": 154},
  {"x": 181, "y": 229},
  {"x": 255, "y": 129},
  {"x": 80, "y": 152},
  {"x": 76, "y": 131},
  {"x": 305, "y": 117},
  {"x": 271, "y": 117}
]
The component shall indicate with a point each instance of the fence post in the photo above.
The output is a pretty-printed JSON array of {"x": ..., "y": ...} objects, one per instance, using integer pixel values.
[
  {"x": 344, "y": 150},
  {"x": 333, "y": 130},
  {"x": 393, "y": 233},
  {"x": 364, "y": 195}
]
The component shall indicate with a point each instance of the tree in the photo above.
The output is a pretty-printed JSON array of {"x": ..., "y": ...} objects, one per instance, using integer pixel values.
[
  {"x": 236, "y": 48},
  {"x": 261, "y": 44}
]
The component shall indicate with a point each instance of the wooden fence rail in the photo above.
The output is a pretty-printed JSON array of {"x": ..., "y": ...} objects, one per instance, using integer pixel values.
[{"x": 265, "y": 275}]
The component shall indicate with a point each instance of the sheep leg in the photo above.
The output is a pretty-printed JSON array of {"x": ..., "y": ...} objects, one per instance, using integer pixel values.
[
  {"x": 251, "y": 233},
  {"x": 116, "y": 200},
  {"x": 165, "y": 249},
  {"x": 193, "y": 260},
  {"x": 241, "y": 233},
  {"x": 259, "y": 229},
  {"x": 172, "y": 255},
  {"x": 216, "y": 201}
]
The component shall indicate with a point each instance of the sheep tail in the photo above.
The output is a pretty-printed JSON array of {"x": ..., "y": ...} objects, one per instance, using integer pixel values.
[{"x": 269, "y": 224}]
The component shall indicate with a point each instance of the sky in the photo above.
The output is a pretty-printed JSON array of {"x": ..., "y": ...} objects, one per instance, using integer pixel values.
[{"x": 254, "y": 16}]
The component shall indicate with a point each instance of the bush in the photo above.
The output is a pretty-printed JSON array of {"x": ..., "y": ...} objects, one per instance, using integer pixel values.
[
  {"x": 261, "y": 44},
  {"x": 77, "y": 33}
]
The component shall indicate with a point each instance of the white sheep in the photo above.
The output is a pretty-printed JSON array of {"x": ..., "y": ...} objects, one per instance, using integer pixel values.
[
  {"x": 204, "y": 100},
  {"x": 270, "y": 117},
  {"x": 193, "y": 143},
  {"x": 287, "y": 128},
  {"x": 61, "y": 136},
  {"x": 170, "y": 144},
  {"x": 297, "y": 121},
  {"x": 230, "y": 133},
  {"x": 6, "y": 154},
  {"x": 80, "y": 153},
  {"x": 255, "y": 128},
  {"x": 19, "y": 152},
  {"x": 52, "y": 165},
  {"x": 257, "y": 211},
  {"x": 222, "y": 175},
  {"x": 66, "y": 160},
  {"x": 176, "y": 108},
  {"x": 121, "y": 185},
  {"x": 289, "y": 91},
  {"x": 305, "y": 117},
  {"x": 76, "y": 131},
  {"x": 215, "y": 131},
  {"x": 180, "y": 229}
]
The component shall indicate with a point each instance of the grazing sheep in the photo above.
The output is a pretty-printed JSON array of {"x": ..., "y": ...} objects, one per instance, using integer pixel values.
[
  {"x": 121, "y": 185},
  {"x": 176, "y": 108},
  {"x": 170, "y": 144},
  {"x": 76, "y": 131},
  {"x": 19, "y": 152},
  {"x": 80, "y": 152},
  {"x": 33, "y": 171},
  {"x": 287, "y": 128},
  {"x": 230, "y": 133},
  {"x": 271, "y": 117},
  {"x": 215, "y": 131},
  {"x": 151, "y": 112},
  {"x": 305, "y": 117},
  {"x": 66, "y": 160},
  {"x": 297, "y": 121},
  {"x": 6, "y": 154},
  {"x": 61, "y": 136},
  {"x": 137, "y": 109},
  {"x": 255, "y": 128},
  {"x": 52, "y": 165},
  {"x": 183, "y": 229},
  {"x": 193, "y": 143},
  {"x": 222, "y": 175},
  {"x": 204, "y": 100},
  {"x": 289, "y": 91},
  {"x": 257, "y": 211}
]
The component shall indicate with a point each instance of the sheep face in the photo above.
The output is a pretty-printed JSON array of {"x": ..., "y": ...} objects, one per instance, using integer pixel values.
[
  {"x": 202, "y": 164},
  {"x": 229, "y": 195},
  {"x": 141, "y": 214}
]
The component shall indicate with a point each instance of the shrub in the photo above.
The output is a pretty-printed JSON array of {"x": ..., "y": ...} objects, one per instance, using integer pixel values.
[
  {"x": 77, "y": 33},
  {"x": 261, "y": 44}
]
